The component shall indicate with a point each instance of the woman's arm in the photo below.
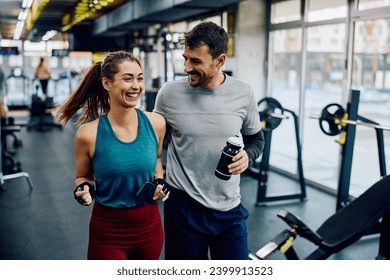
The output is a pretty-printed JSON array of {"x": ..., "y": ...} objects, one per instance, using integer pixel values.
[
  {"x": 84, "y": 143},
  {"x": 159, "y": 126}
]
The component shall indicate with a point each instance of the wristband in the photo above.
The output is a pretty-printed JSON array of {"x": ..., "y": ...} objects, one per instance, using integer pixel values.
[
  {"x": 159, "y": 181},
  {"x": 166, "y": 187},
  {"x": 81, "y": 188}
]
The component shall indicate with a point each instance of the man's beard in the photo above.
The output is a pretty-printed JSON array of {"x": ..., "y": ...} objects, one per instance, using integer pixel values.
[{"x": 201, "y": 80}]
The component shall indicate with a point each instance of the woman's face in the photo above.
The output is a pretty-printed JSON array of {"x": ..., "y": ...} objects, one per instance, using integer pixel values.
[{"x": 127, "y": 85}]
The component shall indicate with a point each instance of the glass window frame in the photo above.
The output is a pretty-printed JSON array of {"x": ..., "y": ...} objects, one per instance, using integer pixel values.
[{"x": 352, "y": 16}]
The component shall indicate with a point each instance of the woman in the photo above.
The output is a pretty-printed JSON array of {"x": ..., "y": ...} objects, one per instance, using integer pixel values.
[
  {"x": 117, "y": 148},
  {"x": 43, "y": 74}
]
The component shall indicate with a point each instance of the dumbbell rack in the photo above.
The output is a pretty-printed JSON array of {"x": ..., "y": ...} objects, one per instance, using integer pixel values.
[{"x": 6, "y": 177}]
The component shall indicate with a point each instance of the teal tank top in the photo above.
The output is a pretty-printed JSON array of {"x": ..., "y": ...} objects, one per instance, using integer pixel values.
[{"x": 120, "y": 168}]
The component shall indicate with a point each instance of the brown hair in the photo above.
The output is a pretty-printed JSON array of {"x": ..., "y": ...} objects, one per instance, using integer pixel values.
[
  {"x": 90, "y": 96},
  {"x": 210, "y": 34},
  {"x": 41, "y": 61}
]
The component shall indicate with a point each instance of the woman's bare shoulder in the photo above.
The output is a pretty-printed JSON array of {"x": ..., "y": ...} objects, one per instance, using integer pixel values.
[
  {"x": 87, "y": 131},
  {"x": 156, "y": 119}
]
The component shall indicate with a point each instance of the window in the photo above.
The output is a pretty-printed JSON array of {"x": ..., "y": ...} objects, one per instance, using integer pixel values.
[
  {"x": 326, "y": 10},
  {"x": 372, "y": 4},
  {"x": 286, "y": 11},
  {"x": 323, "y": 86},
  {"x": 371, "y": 75},
  {"x": 306, "y": 79},
  {"x": 284, "y": 80}
]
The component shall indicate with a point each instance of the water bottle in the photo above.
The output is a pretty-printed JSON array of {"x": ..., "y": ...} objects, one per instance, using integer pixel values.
[{"x": 233, "y": 146}]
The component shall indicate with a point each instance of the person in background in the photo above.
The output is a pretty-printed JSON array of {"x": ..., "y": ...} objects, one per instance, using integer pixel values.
[
  {"x": 2, "y": 83},
  {"x": 3, "y": 105},
  {"x": 42, "y": 72},
  {"x": 204, "y": 216},
  {"x": 117, "y": 148}
]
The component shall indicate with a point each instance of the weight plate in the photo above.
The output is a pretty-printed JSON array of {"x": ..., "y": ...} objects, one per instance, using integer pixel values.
[
  {"x": 327, "y": 120},
  {"x": 266, "y": 107}
]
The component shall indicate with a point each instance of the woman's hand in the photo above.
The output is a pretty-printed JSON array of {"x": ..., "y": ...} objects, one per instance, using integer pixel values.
[
  {"x": 160, "y": 192},
  {"x": 83, "y": 196}
]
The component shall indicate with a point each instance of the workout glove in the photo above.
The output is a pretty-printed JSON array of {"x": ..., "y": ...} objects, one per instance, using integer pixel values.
[{"x": 81, "y": 188}]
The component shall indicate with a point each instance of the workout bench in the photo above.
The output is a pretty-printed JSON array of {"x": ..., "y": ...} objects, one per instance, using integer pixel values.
[{"x": 367, "y": 214}]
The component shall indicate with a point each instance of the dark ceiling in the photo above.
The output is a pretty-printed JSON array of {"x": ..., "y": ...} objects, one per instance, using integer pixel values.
[
  {"x": 118, "y": 18},
  {"x": 49, "y": 19}
]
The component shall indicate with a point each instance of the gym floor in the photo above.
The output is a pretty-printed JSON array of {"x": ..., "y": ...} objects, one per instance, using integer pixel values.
[{"x": 48, "y": 224}]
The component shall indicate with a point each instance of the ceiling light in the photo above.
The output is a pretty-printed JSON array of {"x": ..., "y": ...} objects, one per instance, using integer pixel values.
[
  {"x": 48, "y": 35},
  {"x": 27, "y": 3},
  {"x": 37, "y": 7},
  {"x": 18, "y": 29},
  {"x": 31, "y": 9},
  {"x": 23, "y": 14},
  {"x": 83, "y": 10}
]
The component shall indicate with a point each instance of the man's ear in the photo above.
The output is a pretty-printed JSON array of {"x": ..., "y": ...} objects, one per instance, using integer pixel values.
[
  {"x": 221, "y": 60},
  {"x": 106, "y": 83}
]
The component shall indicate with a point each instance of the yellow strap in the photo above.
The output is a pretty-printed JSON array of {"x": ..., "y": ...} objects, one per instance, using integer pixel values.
[
  {"x": 287, "y": 245},
  {"x": 340, "y": 122},
  {"x": 343, "y": 138}
]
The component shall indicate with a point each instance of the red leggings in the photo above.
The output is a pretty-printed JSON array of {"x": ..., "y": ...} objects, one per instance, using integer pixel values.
[{"x": 125, "y": 233}]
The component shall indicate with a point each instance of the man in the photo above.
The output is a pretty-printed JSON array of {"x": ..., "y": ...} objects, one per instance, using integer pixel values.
[{"x": 204, "y": 216}]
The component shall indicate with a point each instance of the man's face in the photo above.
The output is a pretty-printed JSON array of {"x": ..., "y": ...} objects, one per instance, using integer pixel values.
[{"x": 200, "y": 66}]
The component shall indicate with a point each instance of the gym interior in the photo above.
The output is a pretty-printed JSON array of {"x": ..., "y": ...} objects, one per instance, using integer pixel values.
[{"x": 321, "y": 74}]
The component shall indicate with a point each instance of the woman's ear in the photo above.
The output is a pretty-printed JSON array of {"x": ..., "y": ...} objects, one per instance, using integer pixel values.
[{"x": 106, "y": 83}]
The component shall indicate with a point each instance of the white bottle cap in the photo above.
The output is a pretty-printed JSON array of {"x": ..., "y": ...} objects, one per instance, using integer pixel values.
[{"x": 235, "y": 140}]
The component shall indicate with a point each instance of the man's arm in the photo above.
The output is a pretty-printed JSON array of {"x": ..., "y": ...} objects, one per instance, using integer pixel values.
[{"x": 254, "y": 145}]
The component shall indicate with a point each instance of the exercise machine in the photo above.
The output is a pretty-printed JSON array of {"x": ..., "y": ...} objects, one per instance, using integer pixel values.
[
  {"x": 335, "y": 120},
  {"x": 17, "y": 88},
  {"x": 367, "y": 214},
  {"x": 40, "y": 118},
  {"x": 8, "y": 128},
  {"x": 18, "y": 174},
  {"x": 271, "y": 114}
]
